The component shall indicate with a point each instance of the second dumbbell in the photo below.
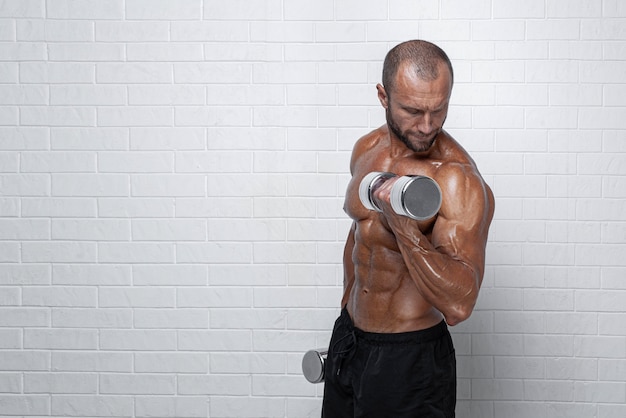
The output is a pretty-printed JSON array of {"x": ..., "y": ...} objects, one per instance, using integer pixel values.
[{"x": 417, "y": 197}]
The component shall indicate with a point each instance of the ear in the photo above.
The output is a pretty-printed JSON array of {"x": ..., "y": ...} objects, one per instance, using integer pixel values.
[{"x": 382, "y": 95}]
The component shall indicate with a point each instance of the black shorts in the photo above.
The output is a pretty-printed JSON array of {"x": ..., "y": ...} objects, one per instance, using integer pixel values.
[{"x": 409, "y": 374}]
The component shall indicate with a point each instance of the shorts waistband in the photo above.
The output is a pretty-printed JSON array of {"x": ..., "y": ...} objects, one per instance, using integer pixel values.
[{"x": 412, "y": 337}]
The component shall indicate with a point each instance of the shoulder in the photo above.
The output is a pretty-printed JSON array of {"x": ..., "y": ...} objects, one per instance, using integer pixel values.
[
  {"x": 367, "y": 143},
  {"x": 464, "y": 191}
]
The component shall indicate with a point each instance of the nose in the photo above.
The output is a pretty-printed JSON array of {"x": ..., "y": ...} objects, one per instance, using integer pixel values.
[{"x": 425, "y": 124}]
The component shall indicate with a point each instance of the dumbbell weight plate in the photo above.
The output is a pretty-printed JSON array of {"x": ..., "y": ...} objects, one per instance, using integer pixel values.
[
  {"x": 418, "y": 197},
  {"x": 368, "y": 184},
  {"x": 313, "y": 364}
]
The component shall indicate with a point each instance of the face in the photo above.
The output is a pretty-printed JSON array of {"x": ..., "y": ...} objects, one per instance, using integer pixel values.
[{"x": 416, "y": 109}]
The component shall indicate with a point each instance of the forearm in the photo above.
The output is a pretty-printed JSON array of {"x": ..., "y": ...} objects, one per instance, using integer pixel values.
[{"x": 447, "y": 283}]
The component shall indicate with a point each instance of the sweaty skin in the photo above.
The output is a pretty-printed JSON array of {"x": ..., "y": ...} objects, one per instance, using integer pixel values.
[{"x": 406, "y": 275}]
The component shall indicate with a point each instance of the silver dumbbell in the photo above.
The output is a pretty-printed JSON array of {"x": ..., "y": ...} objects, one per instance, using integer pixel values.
[
  {"x": 417, "y": 197},
  {"x": 313, "y": 364}
]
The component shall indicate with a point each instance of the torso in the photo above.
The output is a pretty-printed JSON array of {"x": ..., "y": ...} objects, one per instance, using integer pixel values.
[{"x": 383, "y": 297}]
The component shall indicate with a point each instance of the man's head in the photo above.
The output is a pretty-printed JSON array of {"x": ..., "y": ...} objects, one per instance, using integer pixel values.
[{"x": 417, "y": 83}]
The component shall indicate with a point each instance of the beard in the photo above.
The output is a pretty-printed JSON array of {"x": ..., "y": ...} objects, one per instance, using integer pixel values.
[{"x": 422, "y": 144}]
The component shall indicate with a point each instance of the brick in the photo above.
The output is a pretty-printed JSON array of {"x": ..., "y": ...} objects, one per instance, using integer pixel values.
[
  {"x": 601, "y": 392},
  {"x": 137, "y": 340},
  {"x": 91, "y": 230},
  {"x": 87, "y": 95},
  {"x": 135, "y": 162},
  {"x": 287, "y": 73},
  {"x": 214, "y": 340},
  {"x": 24, "y": 274},
  {"x": 172, "y": 318},
  {"x": 172, "y": 406},
  {"x": 75, "y": 185},
  {"x": 313, "y": 52},
  {"x": 163, "y": 10},
  {"x": 214, "y": 297},
  {"x": 100, "y": 406},
  {"x": 89, "y": 139},
  {"x": 134, "y": 72},
  {"x": 89, "y": 9},
  {"x": 60, "y": 339},
  {"x": 225, "y": 32},
  {"x": 244, "y": 10},
  {"x": 348, "y": 31},
  {"x": 164, "y": 185},
  {"x": 242, "y": 318},
  {"x": 22, "y": 8},
  {"x": 549, "y": 345},
  {"x": 135, "y": 116},
  {"x": 171, "y": 363},
  {"x": 458, "y": 9},
  {"x": 247, "y": 363},
  {"x": 137, "y": 384},
  {"x": 602, "y": 29},
  {"x": 576, "y": 8},
  {"x": 58, "y": 252},
  {"x": 60, "y": 383},
  {"x": 136, "y": 31},
  {"x": 24, "y": 229},
  {"x": 58, "y": 116},
  {"x": 166, "y": 95},
  {"x": 56, "y": 72},
  {"x": 58, "y": 162},
  {"x": 25, "y": 404},
  {"x": 246, "y": 138},
  {"x": 11, "y": 383},
  {"x": 214, "y": 116},
  {"x": 212, "y": 73},
  {"x": 86, "y": 52},
  {"x": 281, "y": 385},
  {"x": 519, "y": 368},
  {"x": 23, "y": 95},
  {"x": 571, "y": 369},
  {"x": 217, "y": 162},
  {"x": 136, "y": 297},
  {"x": 59, "y": 296},
  {"x": 9, "y": 72},
  {"x": 249, "y": 94},
  {"x": 91, "y": 318},
  {"x": 136, "y": 207},
  {"x": 247, "y": 230},
  {"x": 23, "y": 51},
  {"x": 164, "y": 52},
  {"x": 24, "y": 317},
  {"x": 247, "y": 407},
  {"x": 170, "y": 275},
  {"x": 170, "y": 138},
  {"x": 135, "y": 252},
  {"x": 247, "y": 275},
  {"x": 77, "y": 361},
  {"x": 91, "y": 274},
  {"x": 169, "y": 230}
]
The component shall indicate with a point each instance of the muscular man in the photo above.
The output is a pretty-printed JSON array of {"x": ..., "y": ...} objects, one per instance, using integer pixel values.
[{"x": 405, "y": 280}]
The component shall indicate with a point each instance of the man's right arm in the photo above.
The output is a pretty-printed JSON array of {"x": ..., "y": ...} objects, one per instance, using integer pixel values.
[{"x": 348, "y": 266}]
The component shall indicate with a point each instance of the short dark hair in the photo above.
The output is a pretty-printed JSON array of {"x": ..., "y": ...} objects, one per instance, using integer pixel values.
[{"x": 424, "y": 57}]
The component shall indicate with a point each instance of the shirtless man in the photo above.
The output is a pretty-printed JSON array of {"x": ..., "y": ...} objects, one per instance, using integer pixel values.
[{"x": 405, "y": 280}]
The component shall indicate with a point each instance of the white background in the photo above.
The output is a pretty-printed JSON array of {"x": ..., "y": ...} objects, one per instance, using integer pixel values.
[{"x": 171, "y": 187}]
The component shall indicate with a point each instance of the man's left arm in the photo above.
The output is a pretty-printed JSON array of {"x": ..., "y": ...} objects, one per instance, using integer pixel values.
[{"x": 448, "y": 268}]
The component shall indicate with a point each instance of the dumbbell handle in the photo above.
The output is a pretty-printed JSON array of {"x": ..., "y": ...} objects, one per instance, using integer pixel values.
[{"x": 417, "y": 197}]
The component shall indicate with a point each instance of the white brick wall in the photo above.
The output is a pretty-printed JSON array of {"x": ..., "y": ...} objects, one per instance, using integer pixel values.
[{"x": 171, "y": 185}]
